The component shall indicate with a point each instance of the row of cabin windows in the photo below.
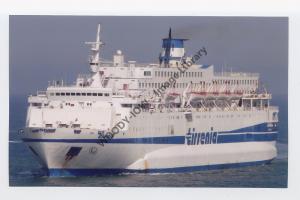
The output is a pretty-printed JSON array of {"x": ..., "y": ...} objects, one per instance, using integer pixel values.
[
  {"x": 234, "y": 82},
  {"x": 213, "y": 116},
  {"x": 139, "y": 129},
  {"x": 135, "y": 129},
  {"x": 177, "y": 85},
  {"x": 78, "y": 94},
  {"x": 184, "y": 85},
  {"x": 222, "y": 116},
  {"x": 171, "y": 74},
  {"x": 158, "y": 85}
]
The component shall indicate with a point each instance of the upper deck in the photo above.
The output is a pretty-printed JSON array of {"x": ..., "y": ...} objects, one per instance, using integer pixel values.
[{"x": 120, "y": 79}]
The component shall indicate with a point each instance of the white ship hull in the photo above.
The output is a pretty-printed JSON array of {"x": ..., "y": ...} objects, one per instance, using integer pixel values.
[
  {"x": 159, "y": 159},
  {"x": 64, "y": 153}
]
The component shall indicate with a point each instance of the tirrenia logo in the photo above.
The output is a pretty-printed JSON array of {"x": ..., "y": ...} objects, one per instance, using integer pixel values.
[{"x": 193, "y": 138}]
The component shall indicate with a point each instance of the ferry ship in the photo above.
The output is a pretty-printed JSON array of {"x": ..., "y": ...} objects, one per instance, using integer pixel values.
[{"x": 170, "y": 116}]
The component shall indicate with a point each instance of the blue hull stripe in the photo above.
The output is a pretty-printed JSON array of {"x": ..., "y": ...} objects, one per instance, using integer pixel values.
[
  {"x": 152, "y": 140},
  {"x": 248, "y": 137},
  {"x": 259, "y": 132},
  {"x": 255, "y": 128},
  {"x": 93, "y": 172}
]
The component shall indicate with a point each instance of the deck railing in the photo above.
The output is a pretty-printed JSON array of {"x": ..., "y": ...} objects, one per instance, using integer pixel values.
[{"x": 236, "y": 74}]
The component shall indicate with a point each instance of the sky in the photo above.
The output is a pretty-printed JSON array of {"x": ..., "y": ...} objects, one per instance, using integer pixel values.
[{"x": 46, "y": 48}]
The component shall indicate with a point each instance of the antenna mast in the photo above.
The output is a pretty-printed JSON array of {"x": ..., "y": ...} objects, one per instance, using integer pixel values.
[{"x": 94, "y": 59}]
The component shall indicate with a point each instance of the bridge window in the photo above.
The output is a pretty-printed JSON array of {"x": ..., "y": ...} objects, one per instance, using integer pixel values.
[
  {"x": 100, "y": 94},
  {"x": 147, "y": 73},
  {"x": 94, "y": 94},
  {"x": 72, "y": 94},
  {"x": 275, "y": 116},
  {"x": 89, "y": 94},
  {"x": 78, "y": 94},
  {"x": 126, "y": 105},
  {"x": 83, "y": 94},
  {"x": 62, "y": 94},
  {"x": 57, "y": 94},
  {"x": 36, "y": 104},
  {"x": 106, "y": 94}
]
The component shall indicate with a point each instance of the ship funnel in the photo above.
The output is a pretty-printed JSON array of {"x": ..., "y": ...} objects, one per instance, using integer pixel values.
[{"x": 172, "y": 50}]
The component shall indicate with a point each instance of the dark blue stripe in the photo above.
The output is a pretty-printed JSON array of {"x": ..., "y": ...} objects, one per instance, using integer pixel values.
[
  {"x": 165, "y": 140},
  {"x": 173, "y": 43},
  {"x": 170, "y": 57},
  {"x": 246, "y": 138},
  {"x": 149, "y": 140},
  {"x": 255, "y": 128},
  {"x": 93, "y": 172}
]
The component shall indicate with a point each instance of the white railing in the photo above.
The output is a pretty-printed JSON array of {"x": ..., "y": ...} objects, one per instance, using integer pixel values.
[
  {"x": 85, "y": 76},
  {"x": 41, "y": 93},
  {"x": 236, "y": 74},
  {"x": 111, "y": 64}
]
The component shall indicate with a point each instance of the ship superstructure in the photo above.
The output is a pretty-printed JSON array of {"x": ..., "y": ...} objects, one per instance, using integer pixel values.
[{"x": 123, "y": 118}]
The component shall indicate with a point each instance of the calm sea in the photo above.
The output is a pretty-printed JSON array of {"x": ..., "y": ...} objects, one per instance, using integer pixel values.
[{"x": 25, "y": 171}]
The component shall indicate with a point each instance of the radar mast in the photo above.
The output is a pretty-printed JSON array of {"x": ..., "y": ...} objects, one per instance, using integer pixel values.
[{"x": 94, "y": 59}]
